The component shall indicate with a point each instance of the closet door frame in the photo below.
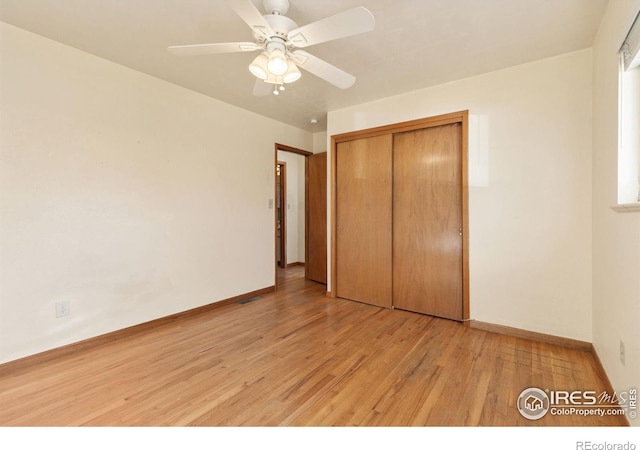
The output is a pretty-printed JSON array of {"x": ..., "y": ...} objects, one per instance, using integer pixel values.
[{"x": 461, "y": 117}]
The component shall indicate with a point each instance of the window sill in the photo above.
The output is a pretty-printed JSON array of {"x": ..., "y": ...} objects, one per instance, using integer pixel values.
[{"x": 627, "y": 207}]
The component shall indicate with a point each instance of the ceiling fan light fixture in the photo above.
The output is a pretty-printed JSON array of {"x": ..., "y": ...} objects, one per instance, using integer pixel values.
[
  {"x": 259, "y": 67},
  {"x": 292, "y": 74},
  {"x": 277, "y": 63},
  {"x": 279, "y": 40}
]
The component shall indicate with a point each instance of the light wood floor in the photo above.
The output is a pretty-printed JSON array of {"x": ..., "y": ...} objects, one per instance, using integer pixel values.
[{"x": 296, "y": 358}]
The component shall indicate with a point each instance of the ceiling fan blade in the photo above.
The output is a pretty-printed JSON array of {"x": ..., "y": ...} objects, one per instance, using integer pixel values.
[
  {"x": 213, "y": 49},
  {"x": 252, "y": 16},
  {"x": 355, "y": 21},
  {"x": 261, "y": 88},
  {"x": 323, "y": 69}
]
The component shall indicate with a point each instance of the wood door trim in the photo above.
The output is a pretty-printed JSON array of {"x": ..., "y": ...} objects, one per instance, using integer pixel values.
[
  {"x": 461, "y": 117},
  {"x": 332, "y": 162},
  {"x": 286, "y": 148},
  {"x": 466, "y": 313},
  {"x": 419, "y": 124},
  {"x": 306, "y": 217}
]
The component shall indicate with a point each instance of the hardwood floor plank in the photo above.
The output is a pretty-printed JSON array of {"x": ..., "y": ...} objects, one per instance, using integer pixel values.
[{"x": 298, "y": 358}]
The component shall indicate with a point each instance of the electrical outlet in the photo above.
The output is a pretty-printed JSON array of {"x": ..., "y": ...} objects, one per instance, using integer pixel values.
[
  {"x": 62, "y": 308},
  {"x": 622, "y": 355}
]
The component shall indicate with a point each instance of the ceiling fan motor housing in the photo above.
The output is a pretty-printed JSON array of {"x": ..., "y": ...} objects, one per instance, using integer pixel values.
[{"x": 280, "y": 25}]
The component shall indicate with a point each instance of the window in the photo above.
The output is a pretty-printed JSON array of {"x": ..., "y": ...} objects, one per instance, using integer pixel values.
[{"x": 629, "y": 118}]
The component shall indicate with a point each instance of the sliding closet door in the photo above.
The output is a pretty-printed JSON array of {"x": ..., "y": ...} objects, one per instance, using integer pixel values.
[
  {"x": 427, "y": 221},
  {"x": 363, "y": 220}
]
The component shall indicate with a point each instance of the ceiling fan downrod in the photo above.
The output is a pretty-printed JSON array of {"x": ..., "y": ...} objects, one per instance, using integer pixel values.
[{"x": 276, "y": 7}]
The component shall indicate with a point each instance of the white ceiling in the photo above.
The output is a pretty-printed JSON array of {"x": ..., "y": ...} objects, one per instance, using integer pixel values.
[{"x": 416, "y": 43}]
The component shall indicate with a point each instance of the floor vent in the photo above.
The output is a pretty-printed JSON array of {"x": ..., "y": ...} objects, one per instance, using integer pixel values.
[{"x": 249, "y": 300}]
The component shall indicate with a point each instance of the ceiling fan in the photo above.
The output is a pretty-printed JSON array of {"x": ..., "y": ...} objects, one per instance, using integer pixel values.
[{"x": 279, "y": 40}]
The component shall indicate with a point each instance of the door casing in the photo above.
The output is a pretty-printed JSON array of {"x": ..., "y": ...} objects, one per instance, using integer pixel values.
[{"x": 305, "y": 153}]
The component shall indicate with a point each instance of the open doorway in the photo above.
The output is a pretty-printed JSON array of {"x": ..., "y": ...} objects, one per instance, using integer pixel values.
[
  {"x": 290, "y": 209},
  {"x": 292, "y": 212}
]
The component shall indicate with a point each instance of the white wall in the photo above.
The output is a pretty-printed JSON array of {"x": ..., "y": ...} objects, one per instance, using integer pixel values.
[
  {"x": 129, "y": 196},
  {"x": 616, "y": 236},
  {"x": 530, "y": 199},
  {"x": 295, "y": 213},
  {"x": 320, "y": 142}
]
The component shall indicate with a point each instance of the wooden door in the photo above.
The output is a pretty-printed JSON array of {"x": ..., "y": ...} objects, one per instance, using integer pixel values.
[
  {"x": 281, "y": 215},
  {"x": 427, "y": 221},
  {"x": 363, "y": 220},
  {"x": 316, "y": 260}
]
